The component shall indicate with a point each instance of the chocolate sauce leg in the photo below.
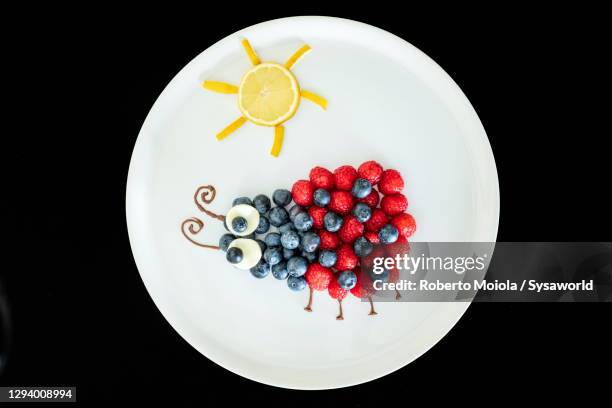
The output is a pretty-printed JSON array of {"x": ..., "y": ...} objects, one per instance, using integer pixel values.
[
  {"x": 308, "y": 307},
  {"x": 340, "y": 316},
  {"x": 372, "y": 311}
]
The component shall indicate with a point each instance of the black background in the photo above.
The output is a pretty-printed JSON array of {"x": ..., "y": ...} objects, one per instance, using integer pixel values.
[{"x": 80, "y": 83}]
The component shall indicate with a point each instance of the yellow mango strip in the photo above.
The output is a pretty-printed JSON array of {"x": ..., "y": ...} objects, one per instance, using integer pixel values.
[
  {"x": 231, "y": 128},
  {"x": 296, "y": 56},
  {"x": 221, "y": 87},
  {"x": 279, "y": 134},
  {"x": 250, "y": 52},
  {"x": 313, "y": 97}
]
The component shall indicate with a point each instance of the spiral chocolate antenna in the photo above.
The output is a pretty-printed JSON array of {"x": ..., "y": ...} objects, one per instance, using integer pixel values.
[
  {"x": 193, "y": 226},
  {"x": 206, "y": 195}
]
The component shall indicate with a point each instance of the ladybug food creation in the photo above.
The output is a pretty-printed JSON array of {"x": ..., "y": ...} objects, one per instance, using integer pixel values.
[{"x": 321, "y": 234}]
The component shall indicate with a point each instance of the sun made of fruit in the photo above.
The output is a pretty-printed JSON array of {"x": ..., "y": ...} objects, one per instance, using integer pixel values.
[{"x": 268, "y": 95}]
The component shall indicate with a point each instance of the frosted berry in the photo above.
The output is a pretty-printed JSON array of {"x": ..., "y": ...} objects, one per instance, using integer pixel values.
[
  {"x": 391, "y": 182},
  {"x": 302, "y": 192},
  {"x": 371, "y": 171},
  {"x": 344, "y": 177},
  {"x": 318, "y": 276},
  {"x": 394, "y": 204},
  {"x": 322, "y": 178}
]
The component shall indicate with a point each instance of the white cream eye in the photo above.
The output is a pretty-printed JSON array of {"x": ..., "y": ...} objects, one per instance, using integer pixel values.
[
  {"x": 251, "y": 252},
  {"x": 242, "y": 219}
]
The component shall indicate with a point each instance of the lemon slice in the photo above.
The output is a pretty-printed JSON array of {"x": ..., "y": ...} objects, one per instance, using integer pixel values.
[{"x": 269, "y": 94}]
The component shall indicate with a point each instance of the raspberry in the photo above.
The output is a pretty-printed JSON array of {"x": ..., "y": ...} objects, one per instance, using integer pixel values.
[
  {"x": 322, "y": 178},
  {"x": 399, "y": 247},
  {"x": 317, "y": 214},
  {"x": 345, "y": 176},
  {"x": 341, "y": 202},
  {"x": 371, "y": 171},
  {"x": 363, "y": 288},
  {"x": 351, "y": 229},
  {"x": 394, "y": 204},
  {"x": 368, "y": 262},
  {"x": 329, "y": 240},
  {"x": 376, "y": 221},
  {"x": 405, "y": 224},
  {"x": 336, "y": 291},
  {"x": 393, "y": 275},
  {"x": 371, "y": 199},
  {"x": 318, "y": 276},
  {"x": 391, "y": 182},
  {"x": 347, "y": 259},
  {"x": 372, "y": 237},
  {"x": 302, "y": 193}
]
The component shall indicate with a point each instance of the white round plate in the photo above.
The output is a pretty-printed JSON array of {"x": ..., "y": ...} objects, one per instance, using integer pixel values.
[{"x": 387, "y": 102}]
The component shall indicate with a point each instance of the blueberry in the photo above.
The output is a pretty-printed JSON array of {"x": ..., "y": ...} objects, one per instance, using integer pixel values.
[
  {"x": 281, "y": 197},
  {"x": 310, "y": 256},
  {"x": 279, "y": 271},
  {"x": 297, "y": 266},
  {"x": 295, "y": 210},
  {"x": 347, "y": 280},
  {"x": 302, "y": 221},
  {"x": 362, "y": 212},
  {"x": 242, "y": 200},
  {"x": 286, "y": 227},
  {"x": 327, "y": 258},
  {"x": 261, "y": 270},
  {"x": 273, "y": 239},
  {"x": 296, "y": 283},
  {"x": 383, "y": 276},
  {"x": 225, "y": 241},
  {"x": 239, "y": 224},
  {"x": 262, "y": 203},
  {"x": 264, "y": 225},
  {"x": 310, "y": 242},
  {"x": 362, "y": 247},
  {"x": 288, "y": 253},
  {"x": 261, "y": 244},
  {"x": 332, "y": 221},
  {"x": 388, "y": 234},
  {"x": 250, "y": 236},
  {"x": 278, "y": 216},
  {"x": 321, "y": 197},
  {"x": 290, "y": 240},
  {"x": 234, "y": 255},
  {"x": 273, "y": 255},
  {"x": 361, "y": 188}
]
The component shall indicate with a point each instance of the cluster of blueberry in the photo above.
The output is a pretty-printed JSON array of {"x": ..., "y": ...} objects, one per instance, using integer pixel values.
[{"x": 285, "y": 237}]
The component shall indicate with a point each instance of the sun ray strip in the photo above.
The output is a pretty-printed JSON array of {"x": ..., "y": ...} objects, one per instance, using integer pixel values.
[
  {"x": 250, "y": 52},
  {"x": 220, "y": 87},
  {"x": 231, "y": 128},
  {"x": 279, "y": 133},
  {"x": 313, "y": 97},
  {"x": 297, "y": 55}
]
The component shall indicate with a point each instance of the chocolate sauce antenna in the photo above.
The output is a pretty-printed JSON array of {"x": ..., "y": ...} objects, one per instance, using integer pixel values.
[
  {"x": 206, "y": 194},
  {"x": 195, "y": 226}
]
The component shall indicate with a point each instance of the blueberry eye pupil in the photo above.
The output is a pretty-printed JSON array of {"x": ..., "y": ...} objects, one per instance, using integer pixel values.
[
  {"x": 234, "y": 255},
  {"x": 239, "y": 224}
]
